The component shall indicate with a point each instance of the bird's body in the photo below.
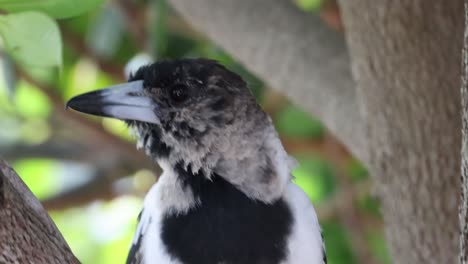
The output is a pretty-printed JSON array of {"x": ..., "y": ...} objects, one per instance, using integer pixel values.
[
  {"x": 225, "y": 195},
  {"x": 209, "y": 243}
]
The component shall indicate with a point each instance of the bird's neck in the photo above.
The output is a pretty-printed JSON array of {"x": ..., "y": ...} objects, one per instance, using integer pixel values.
[{"x": 260, "y": 172}]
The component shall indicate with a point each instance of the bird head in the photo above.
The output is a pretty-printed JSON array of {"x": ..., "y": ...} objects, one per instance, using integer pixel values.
[{"x": 198, "y": 113}]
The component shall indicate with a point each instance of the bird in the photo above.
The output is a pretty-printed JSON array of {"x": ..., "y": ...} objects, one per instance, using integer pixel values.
[{"x": 226, "y": 194}]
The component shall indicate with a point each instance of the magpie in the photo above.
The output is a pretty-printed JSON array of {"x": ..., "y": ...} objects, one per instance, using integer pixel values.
[{"x": 226, "y": 194}]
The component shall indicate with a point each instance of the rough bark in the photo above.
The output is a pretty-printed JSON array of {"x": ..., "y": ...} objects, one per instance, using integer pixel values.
[
  {"x": 406, "y": 61},
  {"x": 292, "y": 51},
  {"x": 27, "y": 234},
  {"x": 463, "y": 213}
]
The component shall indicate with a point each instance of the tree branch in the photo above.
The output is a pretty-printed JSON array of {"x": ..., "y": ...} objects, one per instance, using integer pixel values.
[
  {"x": 52, "y": 149},
  {"x": 292, "y": 51},
  {"x": 27, "y": 233},
  {"x": 99, "y": 187}
]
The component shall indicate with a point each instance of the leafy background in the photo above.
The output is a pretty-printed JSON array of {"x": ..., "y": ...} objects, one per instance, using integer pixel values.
[{"x": 87, "y": 172}]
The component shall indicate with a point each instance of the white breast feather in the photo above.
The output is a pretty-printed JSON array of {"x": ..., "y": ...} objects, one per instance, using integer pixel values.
[{"x": 305, "y": 242}]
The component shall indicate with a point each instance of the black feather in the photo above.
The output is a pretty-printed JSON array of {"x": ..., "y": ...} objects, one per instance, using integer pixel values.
[{"x": 227, "y": 227}]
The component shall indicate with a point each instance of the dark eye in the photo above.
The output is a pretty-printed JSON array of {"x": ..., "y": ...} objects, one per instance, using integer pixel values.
[{"x": 179, "y": 93}]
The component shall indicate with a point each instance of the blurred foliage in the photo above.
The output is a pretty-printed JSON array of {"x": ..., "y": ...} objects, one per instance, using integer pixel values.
[
  {"x": 293, "y": 122},
  {"x": 338, "y": 240},
  {"x": 356, "y": 170},
  {"x": 100, "y": 232},
  {"x": 32, "y": 38},
  {"x": 309, "y": 5},
  {"x": 315, "y": 177},
  {"x": 100, "y": 34},
  {"x": 40, "y": 175},
  {"x": 54, "y": 8}
]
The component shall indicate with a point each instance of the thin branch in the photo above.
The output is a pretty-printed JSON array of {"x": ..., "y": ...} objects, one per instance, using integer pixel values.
[
  {"x": 100, "y": 187},
  {"x": 51, "y": 149}
]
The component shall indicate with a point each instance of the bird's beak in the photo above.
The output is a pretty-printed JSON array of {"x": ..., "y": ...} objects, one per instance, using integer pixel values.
[{"x": 125, "y": 101}]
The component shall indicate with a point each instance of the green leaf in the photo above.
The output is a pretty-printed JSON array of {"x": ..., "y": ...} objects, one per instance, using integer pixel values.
[
  {"x": 378, "y": 245},
  {"x": 32, "y": 38},
  {"x": 309, "y": 5},
  {"x": 337, "y": 243},
  {"x": 39, "y": 175},
  {"x": 293, "y": 122},
  {"x": 315, "y": 177},
  {"x": 369, "y": 204},
  {"x": 54, "y": 8},
  {"x": 31, "y": 103},
  {"x": 356, "y": 170}
]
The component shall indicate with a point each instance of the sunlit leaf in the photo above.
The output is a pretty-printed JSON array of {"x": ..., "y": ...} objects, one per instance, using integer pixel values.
[
  {"x": 32, "y": 38},
  {"x": 72, "y": 223},
  {"x": 39, "y": 175},
  {"x": 83, "y": 76},
  {"x": 35, "y": 131},
  {"x": 309, "y": 5},
  {"x": 54, "y": 8},
  {"x": 315, "y": 177},
  {"x": 30, "y": 102},
  {"x": 117, "y": 250},
  {"x": 292, "y": 121}
]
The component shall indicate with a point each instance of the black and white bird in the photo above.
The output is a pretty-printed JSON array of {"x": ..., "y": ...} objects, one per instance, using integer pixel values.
[{"x": 225, "y": 195}]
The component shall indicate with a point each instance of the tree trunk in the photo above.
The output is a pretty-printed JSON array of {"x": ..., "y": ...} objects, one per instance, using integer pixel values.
[
  {"x": 464, "y": 152},
  {"x": 27, "y": 234},
  {"x": 406, "y": 61}
]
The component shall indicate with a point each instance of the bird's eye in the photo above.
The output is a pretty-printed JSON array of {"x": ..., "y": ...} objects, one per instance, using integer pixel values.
[{"x": 179, "y": 94}]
